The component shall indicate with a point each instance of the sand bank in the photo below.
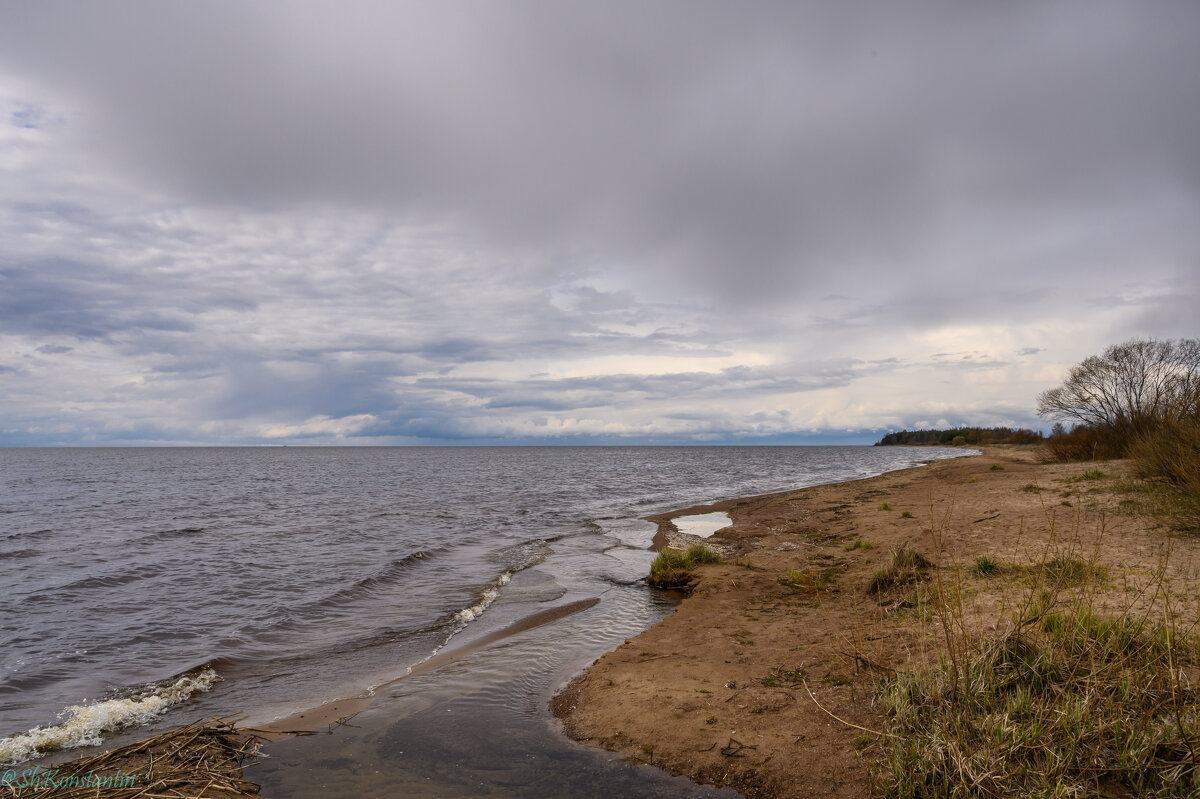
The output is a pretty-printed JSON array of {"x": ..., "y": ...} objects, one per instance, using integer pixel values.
[{"x": 763, "y": 678}]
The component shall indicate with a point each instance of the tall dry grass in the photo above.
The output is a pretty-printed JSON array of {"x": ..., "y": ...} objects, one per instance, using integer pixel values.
[
  {"x": 1171, "y": 454},
  {"x": 1063, "y": 698}
]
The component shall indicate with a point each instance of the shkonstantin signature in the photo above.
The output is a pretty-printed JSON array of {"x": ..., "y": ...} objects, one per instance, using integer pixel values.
[{"x": 42, "y": 778}]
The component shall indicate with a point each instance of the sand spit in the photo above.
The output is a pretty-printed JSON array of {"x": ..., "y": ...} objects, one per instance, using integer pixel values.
[
  {"x": 764, "y": 677},
  {"x": 337, "y": 711}
]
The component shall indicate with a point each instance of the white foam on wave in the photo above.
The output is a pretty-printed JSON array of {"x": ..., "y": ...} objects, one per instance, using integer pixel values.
[
  {"x": 467, "y": 615},
  {"x": 84, "y": 724}
]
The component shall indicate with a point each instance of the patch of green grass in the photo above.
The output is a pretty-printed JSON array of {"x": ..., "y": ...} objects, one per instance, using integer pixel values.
[
  {"x": 743, "y": 562},
  {"x": 987, "y": 567},
  {"x": 1155, "y": 498},
  {"x": 781, "y": 677},
  {"x": 1061, "y": 571},
  {"x": 906, "y": 514},
  {"x": 813, "y": 581},
  {"x": 860, "y": 543},
  {"x": 907, "y": 566},
  {"x": 1066, "y": 571},
  {"x": 996, "y": 468},
  {"x": 698, "y": 553},
  {"x": 1068, "y": 704},
  {"x": 672, "y": 568},
  {"x": 1090, "y": 474},
  {"x": 1031, "y": 488},
  {"x": 885, "y": 506},
  {"x": 907, "y": 557}
]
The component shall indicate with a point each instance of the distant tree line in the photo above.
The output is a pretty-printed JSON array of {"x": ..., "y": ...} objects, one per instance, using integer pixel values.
[{"x": 961, "y": 435}]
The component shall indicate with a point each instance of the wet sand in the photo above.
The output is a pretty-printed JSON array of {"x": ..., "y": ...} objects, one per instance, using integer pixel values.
[
  {"x": 331, "y": 713},
  {"x": 763, "y": 680}
]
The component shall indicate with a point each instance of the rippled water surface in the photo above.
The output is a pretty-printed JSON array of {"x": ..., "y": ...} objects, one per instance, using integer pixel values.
[{"x": 300, "y": 575}]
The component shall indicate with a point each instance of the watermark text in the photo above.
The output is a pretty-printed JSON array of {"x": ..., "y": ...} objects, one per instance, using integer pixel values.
[{"x": 41, "y": 778}]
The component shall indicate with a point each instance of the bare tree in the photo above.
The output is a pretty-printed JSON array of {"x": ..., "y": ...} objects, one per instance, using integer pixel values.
[{"x": 1133, "y": 387}]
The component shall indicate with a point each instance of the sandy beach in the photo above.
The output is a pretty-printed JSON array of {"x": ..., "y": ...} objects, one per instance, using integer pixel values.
[{"x": 763, "y": 679}]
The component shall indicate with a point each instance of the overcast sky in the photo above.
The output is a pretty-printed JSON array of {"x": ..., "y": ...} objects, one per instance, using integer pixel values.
[{"x": 568, "y": 222}]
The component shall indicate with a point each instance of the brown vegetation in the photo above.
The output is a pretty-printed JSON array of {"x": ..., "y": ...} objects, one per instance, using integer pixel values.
[
  {"x": 1083, "y": 443},
  {"x": 1130, "y": 390},
  {"x": 1141, "y": 399},
  {"x": 1170, "y": 453}
]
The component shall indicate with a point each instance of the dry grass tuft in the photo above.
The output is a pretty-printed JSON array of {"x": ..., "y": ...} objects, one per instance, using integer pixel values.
[{"x": 907, "y": 566}]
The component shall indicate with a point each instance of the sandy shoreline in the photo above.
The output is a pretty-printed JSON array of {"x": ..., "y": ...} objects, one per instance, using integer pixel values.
[{"x": 742, "y": 684}]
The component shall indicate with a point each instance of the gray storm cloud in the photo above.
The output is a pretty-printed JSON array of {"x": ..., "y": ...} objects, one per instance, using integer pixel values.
[
  {"x": 810, "y": 185},
  {"x": 762, "y": 141}
]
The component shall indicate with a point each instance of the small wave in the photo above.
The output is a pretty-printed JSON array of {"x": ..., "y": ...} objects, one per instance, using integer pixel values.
[
  {"x": 367, "y": 585},
  {"x": 94, "y": 582},
  {"x": 171, "y": 535},
  {"x": 279, "y": 619},
  {"x": 113, "y": 580},
  {"x": 222, "y": 664},
  {"x": 391, "y": 571},
  {"x": 468, "y": 615},
  {"x": 520, "y": 556},
  {"x": 28, "y": 534},
  {"x": 85, "y": 723},
  {"x": 623, "y": 583}
]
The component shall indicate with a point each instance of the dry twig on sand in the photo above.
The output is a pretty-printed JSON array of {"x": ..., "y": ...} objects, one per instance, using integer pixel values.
[{"x": 200, "y": 760}]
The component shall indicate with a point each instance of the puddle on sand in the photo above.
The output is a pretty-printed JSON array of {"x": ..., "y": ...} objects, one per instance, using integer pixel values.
[{"x": 702, "y": 525}]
